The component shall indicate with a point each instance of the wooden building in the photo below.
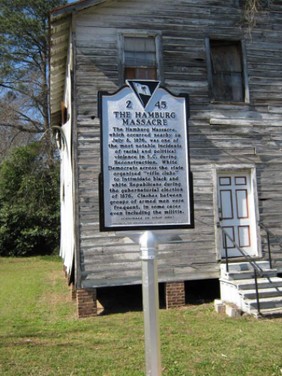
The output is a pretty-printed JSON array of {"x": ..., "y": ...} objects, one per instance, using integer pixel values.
[{"x": 232, "y": 72}]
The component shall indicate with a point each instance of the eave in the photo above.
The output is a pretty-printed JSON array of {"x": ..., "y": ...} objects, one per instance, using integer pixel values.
[{"x": 60, "y": 27}]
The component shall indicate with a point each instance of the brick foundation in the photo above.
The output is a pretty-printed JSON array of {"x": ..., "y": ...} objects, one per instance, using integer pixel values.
[
  {"x": 175, "y": 294},
  {"x": 72, "y": 292},
  {"x": 86, "y": 302}
]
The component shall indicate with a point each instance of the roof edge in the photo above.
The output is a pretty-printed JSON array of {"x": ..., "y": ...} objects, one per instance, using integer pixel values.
[{"x": 73, "y": 7}]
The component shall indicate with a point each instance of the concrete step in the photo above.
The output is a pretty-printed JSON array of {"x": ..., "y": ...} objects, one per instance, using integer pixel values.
[
  {"x": 265, "y": 303},
  {"x": 268, "y": 313},
  {"x": 263, "y": 283},
  {"x": 235, "y": 275},
  {"x": 238, "y": 288},
  {"x": 244, "y": 266},
  {"x": 263, "y": 293}
]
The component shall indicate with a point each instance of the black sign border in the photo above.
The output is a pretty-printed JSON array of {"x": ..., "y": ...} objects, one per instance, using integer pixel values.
[{"x": 103, "y": 227}]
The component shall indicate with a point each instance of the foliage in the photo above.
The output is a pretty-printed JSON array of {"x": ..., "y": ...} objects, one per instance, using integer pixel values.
[
  {"x": 40, "y": 335},
  {"x": 24, "y": 51},
  {"x": 29, "y": 203}
]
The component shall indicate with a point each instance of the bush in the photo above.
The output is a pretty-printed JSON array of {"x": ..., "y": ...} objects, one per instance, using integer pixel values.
[{"x": 29, "y": 203}]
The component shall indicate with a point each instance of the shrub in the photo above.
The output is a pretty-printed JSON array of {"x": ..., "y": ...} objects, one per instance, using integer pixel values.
[{"x": 29, "y": 203}]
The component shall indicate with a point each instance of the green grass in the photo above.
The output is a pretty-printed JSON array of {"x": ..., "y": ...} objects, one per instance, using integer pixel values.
[{"x": 40, "y": 334}]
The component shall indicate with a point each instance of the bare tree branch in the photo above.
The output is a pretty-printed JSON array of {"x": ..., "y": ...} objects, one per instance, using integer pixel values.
[{"x": 22, "y": 128}]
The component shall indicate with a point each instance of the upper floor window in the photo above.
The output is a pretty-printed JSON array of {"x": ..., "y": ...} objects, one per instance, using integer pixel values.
[
  {"x": 227, "y": 71},
  {"x": 139, "y": 58}
]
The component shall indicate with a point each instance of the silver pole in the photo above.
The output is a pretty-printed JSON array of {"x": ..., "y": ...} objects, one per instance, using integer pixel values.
[{"x": 148, "y": 248}]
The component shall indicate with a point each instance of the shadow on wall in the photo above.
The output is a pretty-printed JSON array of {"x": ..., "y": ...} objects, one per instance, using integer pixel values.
[{"x": 122, "y": 299}]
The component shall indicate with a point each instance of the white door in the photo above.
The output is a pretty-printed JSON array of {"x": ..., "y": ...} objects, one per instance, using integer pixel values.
[{"x": 237, "y": 213}]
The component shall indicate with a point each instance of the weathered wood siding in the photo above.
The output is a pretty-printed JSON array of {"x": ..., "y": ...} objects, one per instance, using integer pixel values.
[{"x": 220, "y": 134}]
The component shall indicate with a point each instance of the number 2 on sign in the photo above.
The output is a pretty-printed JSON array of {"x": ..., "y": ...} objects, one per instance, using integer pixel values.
[{"x": 128, "y": 104}]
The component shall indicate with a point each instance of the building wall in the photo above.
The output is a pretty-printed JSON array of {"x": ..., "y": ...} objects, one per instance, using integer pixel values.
[{"x": 221, "y": 134}]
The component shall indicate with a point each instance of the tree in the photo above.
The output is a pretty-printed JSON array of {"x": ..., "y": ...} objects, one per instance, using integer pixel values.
[
  {"x": 29, "y": 197},
  {"x": 24, "y": 51},
  {"x": 29, "y": 203},
  {"x": 10, "y": 136}
]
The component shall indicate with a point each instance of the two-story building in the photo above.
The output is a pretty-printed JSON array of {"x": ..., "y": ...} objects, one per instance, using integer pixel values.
[{"x": 232, "y": 72}]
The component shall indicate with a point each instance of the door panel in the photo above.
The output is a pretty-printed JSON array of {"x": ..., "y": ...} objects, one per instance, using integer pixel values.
[
  {"x": 244, "y": 236},
  {"x": 237, "y": 213},
  {"x": 226, "y": 204},
  {"x": 242, "y": 203},
  {"x": 230, "y": 231}
]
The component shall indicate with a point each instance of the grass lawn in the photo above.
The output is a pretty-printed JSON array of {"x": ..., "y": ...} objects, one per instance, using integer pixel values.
[{"x": 40, "y": 334}]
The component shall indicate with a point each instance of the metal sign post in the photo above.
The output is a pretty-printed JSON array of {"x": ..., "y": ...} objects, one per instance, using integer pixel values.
[{"x": 148, "y": 248}]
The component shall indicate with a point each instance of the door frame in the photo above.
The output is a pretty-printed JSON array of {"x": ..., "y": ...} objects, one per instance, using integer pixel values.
[{"x": 234, "y": 169}]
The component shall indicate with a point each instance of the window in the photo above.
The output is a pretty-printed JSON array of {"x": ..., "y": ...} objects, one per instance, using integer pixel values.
[
  {"x": 226, "y": 70},
  {"x": 140, "y": 58}
]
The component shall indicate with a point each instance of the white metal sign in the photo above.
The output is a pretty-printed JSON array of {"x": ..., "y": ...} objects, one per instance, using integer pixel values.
[{"x": 145, "y": 180}]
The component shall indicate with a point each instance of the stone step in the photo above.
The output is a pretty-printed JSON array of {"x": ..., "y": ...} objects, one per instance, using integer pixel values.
[{"x": 263, "y": 293}]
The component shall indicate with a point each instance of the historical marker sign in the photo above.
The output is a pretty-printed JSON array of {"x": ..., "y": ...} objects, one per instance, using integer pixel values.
[{"x": 145, "y": 180}]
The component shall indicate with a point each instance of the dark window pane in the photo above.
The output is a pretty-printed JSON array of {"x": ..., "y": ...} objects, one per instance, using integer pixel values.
[
  {"x": 140, "y": 58},
  {"x": 227, "y": 71}
]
